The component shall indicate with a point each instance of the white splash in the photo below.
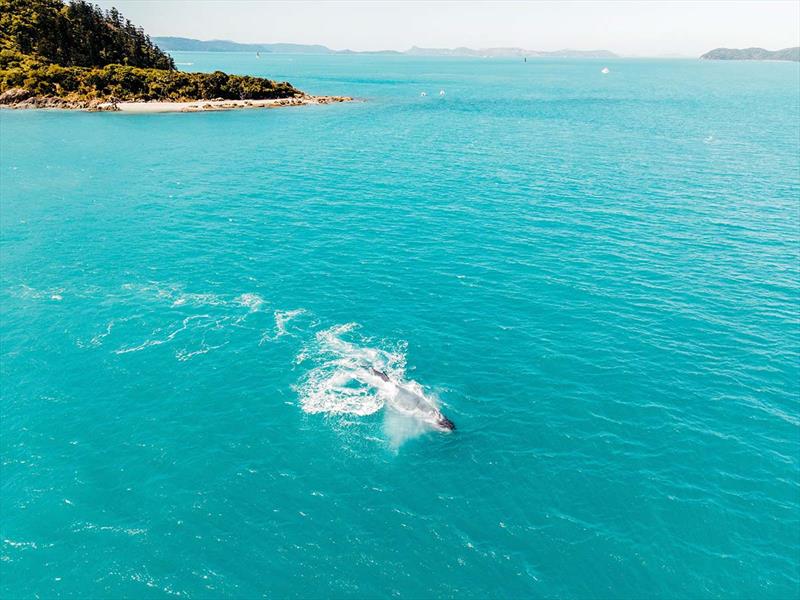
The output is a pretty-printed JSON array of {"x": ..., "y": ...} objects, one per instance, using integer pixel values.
[
  {"x": 400, "y": 427},
  {"x": 332, "y": 386},
  {"x": 335, "y": 385},
  {"x": 253, "y": 302},
  {"x": 342, "y": 382}
]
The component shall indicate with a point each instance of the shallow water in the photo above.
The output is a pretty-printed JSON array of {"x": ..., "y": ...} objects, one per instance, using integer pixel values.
[{"x": 594, "y": 276}]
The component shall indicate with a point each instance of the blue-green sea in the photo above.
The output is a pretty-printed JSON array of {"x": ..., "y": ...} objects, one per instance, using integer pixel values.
[{"x": 595, "y": 276}]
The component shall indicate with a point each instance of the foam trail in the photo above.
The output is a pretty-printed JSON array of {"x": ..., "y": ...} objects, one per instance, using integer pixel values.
[
  {"x": 184, "y": 355},
  {"x": 157, "y": 342},
  {"x": 187, "y": 299},
  {"x": 282, "y": 319},
  {"x": 98, "y": 339}
]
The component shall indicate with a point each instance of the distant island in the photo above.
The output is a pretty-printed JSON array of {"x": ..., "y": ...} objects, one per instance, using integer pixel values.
[
  {"x": 792, "y": 54},
  {"x": 510, "y": 52},
  {"x": 57, "y": 55},
  {"x": 182, "y": 44}
]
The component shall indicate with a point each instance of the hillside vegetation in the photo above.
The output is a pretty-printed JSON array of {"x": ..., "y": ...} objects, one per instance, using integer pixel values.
[
  {"x": 79, "y": 53},
  {"x": 792, "y": 54}
]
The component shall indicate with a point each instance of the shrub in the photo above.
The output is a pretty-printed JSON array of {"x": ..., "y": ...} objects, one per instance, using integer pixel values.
[{"x": 124, "y": 82}]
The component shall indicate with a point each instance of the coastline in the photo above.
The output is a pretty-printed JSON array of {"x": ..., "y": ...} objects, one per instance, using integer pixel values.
[
  {"x": 145, "y": 107},
  {"x": 217, "y": 105}
]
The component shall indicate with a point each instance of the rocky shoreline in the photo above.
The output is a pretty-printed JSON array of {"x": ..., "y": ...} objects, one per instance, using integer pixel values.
[{"x": 18, "y": 98}]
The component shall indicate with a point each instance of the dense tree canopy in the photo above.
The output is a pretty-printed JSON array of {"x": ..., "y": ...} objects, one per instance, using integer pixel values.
[
  {"x": 78, "y": 34},
  {"x": 79, "y": 52},
  {"x": 121, "y": 82}
]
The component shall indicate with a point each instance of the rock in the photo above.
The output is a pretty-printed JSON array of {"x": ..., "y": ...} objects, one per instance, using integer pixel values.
[
  {"x": 14, "y": 95},
  {"x": 95, "y": 104},
  {"x": 100, "y": 106}
]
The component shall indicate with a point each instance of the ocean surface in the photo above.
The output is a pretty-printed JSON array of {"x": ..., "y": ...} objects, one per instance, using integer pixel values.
[{"x": 595, "y": 277}]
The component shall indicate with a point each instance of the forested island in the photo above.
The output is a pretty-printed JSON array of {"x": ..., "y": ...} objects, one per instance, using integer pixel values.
[
  {"x": 792, "y": 54},
  {"x": 76, "y": 55}
]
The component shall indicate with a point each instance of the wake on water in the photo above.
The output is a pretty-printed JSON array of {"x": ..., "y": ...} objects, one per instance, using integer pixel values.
[
  {"x": 343, "y": 382},
  {"x": 349, "y": 375}
]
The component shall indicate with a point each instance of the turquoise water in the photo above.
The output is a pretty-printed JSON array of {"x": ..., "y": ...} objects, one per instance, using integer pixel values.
[{"x": 595, "y": 277}]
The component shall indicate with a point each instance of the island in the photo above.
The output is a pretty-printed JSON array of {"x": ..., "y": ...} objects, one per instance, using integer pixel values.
[
  {"x": 77, "y": 56},
  {"x": 508, "y": 53},
  {"x": 792, "y": 54},
  {"x": 182, "y": 44}
]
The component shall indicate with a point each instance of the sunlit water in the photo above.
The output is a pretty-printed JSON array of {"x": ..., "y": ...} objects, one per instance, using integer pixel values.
[{"x": 594, "y": 276}]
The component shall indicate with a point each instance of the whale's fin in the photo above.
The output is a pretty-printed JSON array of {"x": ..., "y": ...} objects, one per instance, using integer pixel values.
[{"x": 380, "y": 374}]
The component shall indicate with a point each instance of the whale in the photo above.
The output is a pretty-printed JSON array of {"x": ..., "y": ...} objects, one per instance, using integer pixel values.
[{"x": 406, "y": 400}]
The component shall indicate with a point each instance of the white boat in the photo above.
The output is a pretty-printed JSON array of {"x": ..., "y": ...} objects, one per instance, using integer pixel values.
[
  {"x": 423, "y": 94},
  {"x": 441, "y": 92},
  {"x": 605, "y": 71}
]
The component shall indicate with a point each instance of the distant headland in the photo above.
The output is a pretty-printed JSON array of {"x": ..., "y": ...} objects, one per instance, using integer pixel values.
[
  {"x": 792, "y": 54},
  {"x": 181, "y": 44},
  {"x": 57, "y": 55}
]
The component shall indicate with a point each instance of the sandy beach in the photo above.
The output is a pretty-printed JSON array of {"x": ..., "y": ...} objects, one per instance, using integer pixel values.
[
  {"x": 212, "y": 105},
  {"x": 20, "y": 99}
]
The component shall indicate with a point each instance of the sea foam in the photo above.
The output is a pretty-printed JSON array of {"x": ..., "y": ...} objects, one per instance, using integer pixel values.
[{"x": 341, "y": 382}]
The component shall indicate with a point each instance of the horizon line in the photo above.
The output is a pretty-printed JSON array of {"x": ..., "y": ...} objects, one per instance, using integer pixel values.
[{"x": 346, "y": 50}]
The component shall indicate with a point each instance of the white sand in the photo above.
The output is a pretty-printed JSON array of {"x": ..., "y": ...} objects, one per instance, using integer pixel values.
[{"x": 208, "y": 105}]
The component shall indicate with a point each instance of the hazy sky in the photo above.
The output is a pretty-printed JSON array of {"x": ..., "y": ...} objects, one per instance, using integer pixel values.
[{"x": 630, "y": 28}]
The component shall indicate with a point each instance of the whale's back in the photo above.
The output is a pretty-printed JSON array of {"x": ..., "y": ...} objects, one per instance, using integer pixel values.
[{"x": 409, "y": 401}]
